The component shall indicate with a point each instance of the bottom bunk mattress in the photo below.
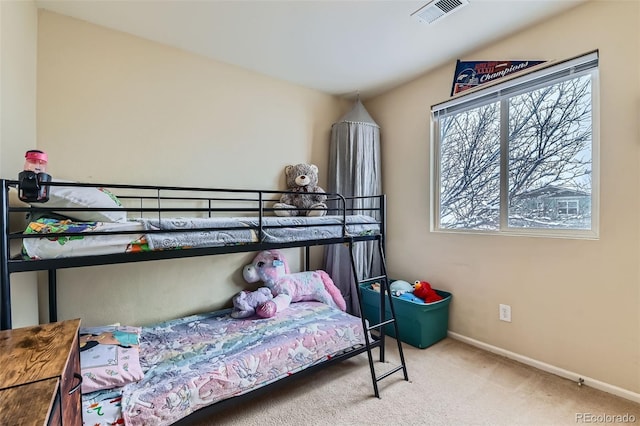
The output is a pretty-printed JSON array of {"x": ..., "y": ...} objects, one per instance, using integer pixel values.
[{"x": 193, "y": 362}]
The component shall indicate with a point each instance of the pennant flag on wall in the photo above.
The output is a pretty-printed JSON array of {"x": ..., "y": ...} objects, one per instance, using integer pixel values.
[{"x": 470, "y": 75}]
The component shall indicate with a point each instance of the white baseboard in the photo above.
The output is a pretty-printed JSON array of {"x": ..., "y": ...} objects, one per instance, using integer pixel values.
[{"x": 596, "y": 384}]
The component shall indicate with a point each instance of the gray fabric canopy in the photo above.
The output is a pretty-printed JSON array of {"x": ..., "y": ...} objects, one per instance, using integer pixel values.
[{"x": 354, "y": 170}]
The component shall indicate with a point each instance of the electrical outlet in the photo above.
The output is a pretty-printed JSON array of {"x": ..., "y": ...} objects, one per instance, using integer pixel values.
[{"x": 505, "y": 313}]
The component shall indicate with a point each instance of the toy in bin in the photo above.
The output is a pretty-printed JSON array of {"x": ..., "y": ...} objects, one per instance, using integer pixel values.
[
  {"x": 423, "y": 290},
  {"x": 397, "y": 287},
  {"x": 419, "y": 292},
  {"x": 33, "y": 175}
]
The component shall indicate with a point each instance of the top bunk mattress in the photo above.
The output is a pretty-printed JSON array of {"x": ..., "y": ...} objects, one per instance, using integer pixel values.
[{"x": 66, "y": 238}]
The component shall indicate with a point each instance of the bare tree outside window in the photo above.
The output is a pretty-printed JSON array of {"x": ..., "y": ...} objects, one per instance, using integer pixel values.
[
  {"x": 470, "y": 164},
  {"x": 550, "y": 135},
  {"x": 542, "y": 137}
]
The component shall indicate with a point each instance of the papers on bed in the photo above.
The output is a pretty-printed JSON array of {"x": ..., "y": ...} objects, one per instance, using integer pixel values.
[{"x": 198, "y": 233}]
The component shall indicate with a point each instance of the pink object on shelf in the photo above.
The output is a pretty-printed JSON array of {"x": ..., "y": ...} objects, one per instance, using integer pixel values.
[{"x": 36, "y": 161}]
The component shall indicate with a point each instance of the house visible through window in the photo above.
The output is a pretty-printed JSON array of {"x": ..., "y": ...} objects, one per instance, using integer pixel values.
[{"x": 520, "y": 156}]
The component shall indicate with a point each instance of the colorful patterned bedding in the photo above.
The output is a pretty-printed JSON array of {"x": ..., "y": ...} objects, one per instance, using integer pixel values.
[
  {"x": 54, "y": 246},
  {"x": 196, "y": 361},
  {"x": 198, "y": 233}
]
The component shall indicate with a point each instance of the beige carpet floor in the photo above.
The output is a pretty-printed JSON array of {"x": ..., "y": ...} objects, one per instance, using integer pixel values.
[{"x": 450, "y": 383}]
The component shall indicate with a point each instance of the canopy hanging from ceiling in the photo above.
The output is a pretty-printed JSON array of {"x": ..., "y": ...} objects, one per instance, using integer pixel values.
[{"x": 354, "y": 170}]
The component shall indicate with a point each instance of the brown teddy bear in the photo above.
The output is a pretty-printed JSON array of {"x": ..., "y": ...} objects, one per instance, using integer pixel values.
[{"x": 306, "y": 197}]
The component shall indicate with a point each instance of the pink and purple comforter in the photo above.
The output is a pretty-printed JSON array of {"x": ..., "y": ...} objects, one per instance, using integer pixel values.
[{"x": 193, "y": 362}]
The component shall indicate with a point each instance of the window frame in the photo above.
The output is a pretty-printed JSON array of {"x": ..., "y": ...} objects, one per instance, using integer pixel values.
[{"x": 540, "y": 76}]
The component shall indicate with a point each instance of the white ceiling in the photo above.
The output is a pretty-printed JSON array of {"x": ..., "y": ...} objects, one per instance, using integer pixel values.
[{"x": 341, "y": 47}]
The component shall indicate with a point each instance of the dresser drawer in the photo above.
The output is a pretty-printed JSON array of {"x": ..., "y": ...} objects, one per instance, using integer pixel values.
[{"x": 31, "y": 404}]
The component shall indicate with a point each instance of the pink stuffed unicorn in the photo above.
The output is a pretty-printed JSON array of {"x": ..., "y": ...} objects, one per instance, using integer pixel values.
[{"x": 271, "y": 267}]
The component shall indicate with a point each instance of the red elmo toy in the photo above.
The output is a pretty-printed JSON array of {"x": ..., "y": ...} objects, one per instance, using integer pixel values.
[{"x": 423, "y": 290}]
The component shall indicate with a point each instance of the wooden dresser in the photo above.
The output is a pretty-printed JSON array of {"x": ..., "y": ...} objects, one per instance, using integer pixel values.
[{"x": 40, "y": 379}]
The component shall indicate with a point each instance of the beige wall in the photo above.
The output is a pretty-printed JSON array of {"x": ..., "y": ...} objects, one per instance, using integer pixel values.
[
  {"x": 18, "y": 29},
  {"x": 575, "y": 303},
  {"x": 119, "y": 109}
]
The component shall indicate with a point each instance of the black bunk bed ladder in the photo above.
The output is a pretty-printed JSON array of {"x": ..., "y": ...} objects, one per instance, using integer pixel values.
[{"x": 385, "y": 293}]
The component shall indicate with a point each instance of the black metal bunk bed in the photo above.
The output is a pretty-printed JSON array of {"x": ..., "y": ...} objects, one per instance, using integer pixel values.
[{"x": 160, "y": 202}]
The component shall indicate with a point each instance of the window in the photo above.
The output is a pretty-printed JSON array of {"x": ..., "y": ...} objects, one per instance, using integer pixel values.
[
  {"x": 569, "y": 207},
  {"x": 520, "y": 157}
]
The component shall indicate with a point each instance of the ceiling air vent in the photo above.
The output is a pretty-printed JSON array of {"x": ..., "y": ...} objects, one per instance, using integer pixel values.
[{"x": 437, "y": 9}]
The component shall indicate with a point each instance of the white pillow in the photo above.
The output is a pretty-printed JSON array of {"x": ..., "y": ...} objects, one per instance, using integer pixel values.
[{"x": 85, "y": 197}]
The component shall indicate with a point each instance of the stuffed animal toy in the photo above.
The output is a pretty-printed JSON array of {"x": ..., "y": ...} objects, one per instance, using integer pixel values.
[
  {"x": 247, "y": 303},
  {"x": 399, "y": 287},
  {"x": 423, "y": 290},
  {"x": 270, "y": 267},
  {"x": 308, "y": 199}
]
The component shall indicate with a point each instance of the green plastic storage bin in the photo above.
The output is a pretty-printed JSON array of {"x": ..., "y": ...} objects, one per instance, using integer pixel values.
[{"x": 420, "y": 324}]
